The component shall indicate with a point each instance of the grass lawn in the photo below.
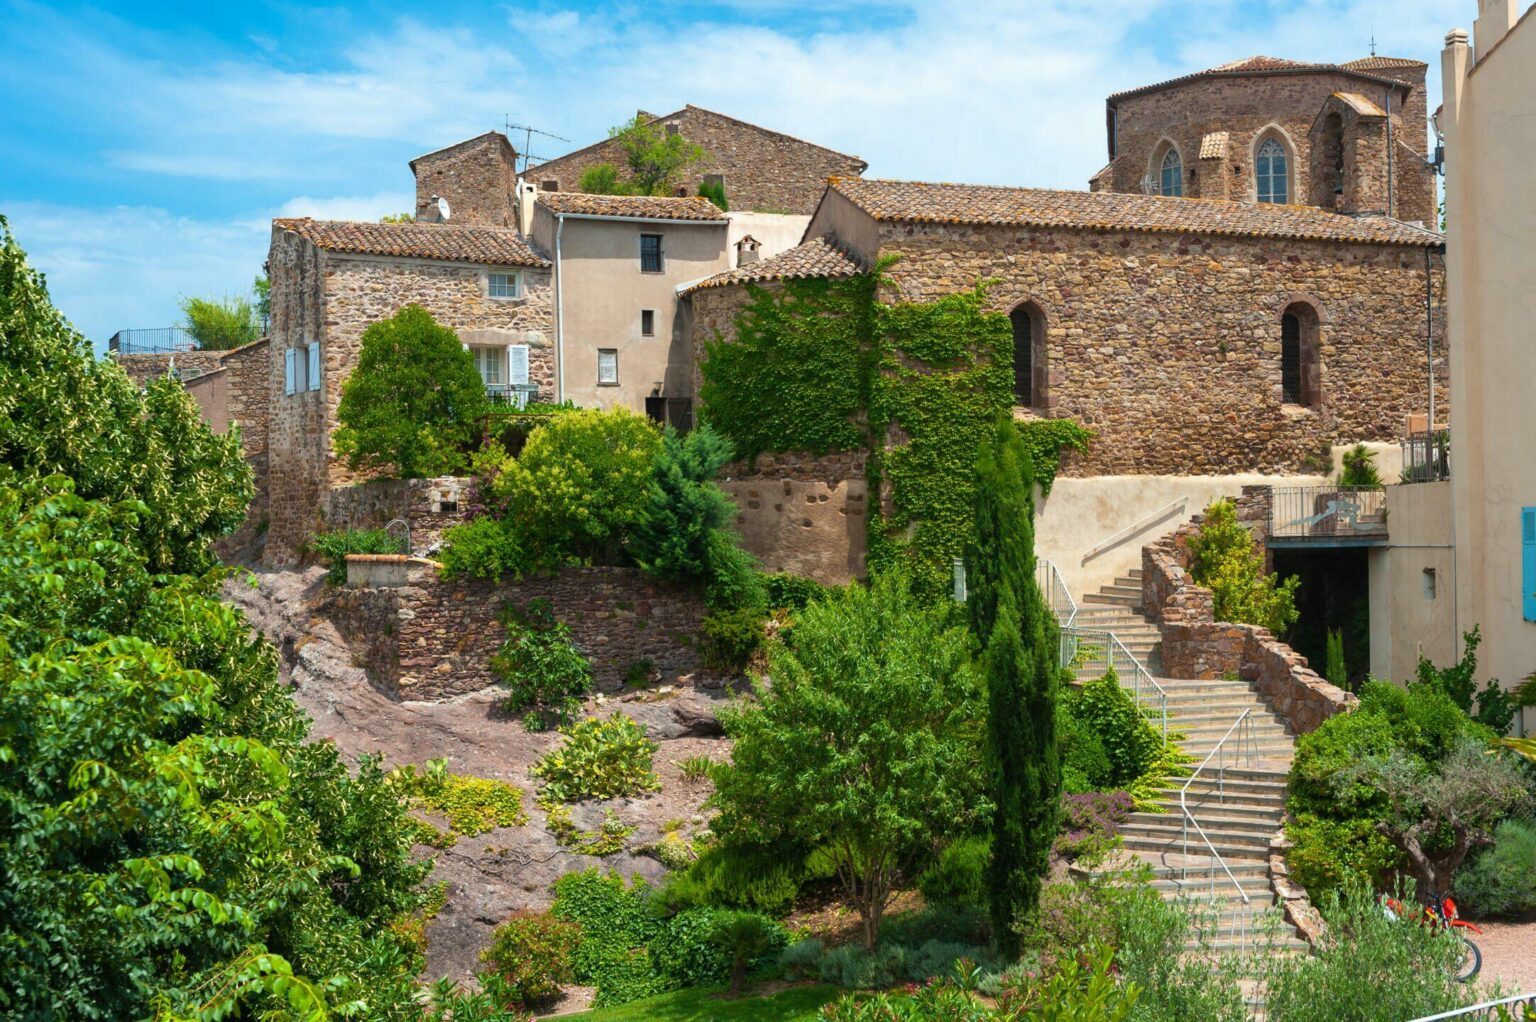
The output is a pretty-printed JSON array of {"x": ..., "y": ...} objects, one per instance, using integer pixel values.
[{"x": 797, "y": 1004}]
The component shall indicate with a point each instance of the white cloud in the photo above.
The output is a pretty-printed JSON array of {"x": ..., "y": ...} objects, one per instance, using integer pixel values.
[{"x": 350, "y": 207}]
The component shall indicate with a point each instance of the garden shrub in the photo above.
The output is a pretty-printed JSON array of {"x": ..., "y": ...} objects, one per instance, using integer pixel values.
[
  {"x": 473, "y": 805},
  {"x": 765, "y": 878},
  {"x": 959, "y": 875},
  {"x": 482, "y": 548},
  {"x": 1425, "y": 719},
  {"x": 745, "y": 940},
  {"x": 1110, "y": 714},
  {"x": 1329, "y": 855},
  {"x": 545, "y": 675},
  {"x": 1359, "y": 468},
  {"x": 857, "y": 968},
  {"x": 1084, "y": 763},
  {"x": 617, "y": 931},
  {"x": 686, "y": 952},
  {"x": 598, "y": 759},
  {"x": 1342, "y": 741},
  {"x": 1501, "y": 881},
  {"x": 943, "y": 922},
  {"x": 335, "y": 545},
  {"x": 793, "y": 592},
  {"x": 730, "y": 638},
  {"x": 802, "y": 959},
  {"x": 532, "y": 952},
  {"x": 1226, "y": 561},
  {"x": 1090, "y": 823},
  {"x": 1495, "y": 707}
]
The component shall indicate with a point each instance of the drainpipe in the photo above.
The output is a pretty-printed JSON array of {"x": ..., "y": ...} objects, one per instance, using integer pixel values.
[
  {"x": 1391, "y": 207},
  {"x": 559, "y": 315}
]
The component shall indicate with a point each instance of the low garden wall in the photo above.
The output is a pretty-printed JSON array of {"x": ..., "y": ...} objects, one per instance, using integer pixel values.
[
  {"x": 433, "y": 639},
  {"x": 1196, "y": 645},
  {"x": 431, "y": 506}
]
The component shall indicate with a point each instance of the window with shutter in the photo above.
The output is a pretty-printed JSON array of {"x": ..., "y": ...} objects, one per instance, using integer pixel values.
[
  {"x": 288, "y": 380},
  {"x": 517, "y": 363},
  {"x": 1528, "y": 561},
  {"x": 313, "y": 371}
]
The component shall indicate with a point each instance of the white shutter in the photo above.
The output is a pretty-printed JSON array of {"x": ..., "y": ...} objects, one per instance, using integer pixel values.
[
  {"x": 517, "y": 363},
  {"x": 314, "y": 365},
  {"x": 288, "y": 370}
]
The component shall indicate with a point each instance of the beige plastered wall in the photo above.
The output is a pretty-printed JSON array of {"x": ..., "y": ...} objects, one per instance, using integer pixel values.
[
  {"x": 1490, "y": 125},
  {"x": 775, "y": 232},
  {"x": 1412, "y": 583}
]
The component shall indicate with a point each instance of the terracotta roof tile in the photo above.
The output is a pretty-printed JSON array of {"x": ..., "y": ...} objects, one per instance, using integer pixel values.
[
  {"x": 1360, "y": 104},
  {"x": 1377, "y": 63},
  {"x": 1275, "y": 65},
  {"x": 920, "y": 202},
  {"x": 494, "y": 246},
  {"x": 650, "y": 207},
  {"x": 1213, "y": 145},
  {"x": 1260, "y": 63},
  {"x": 821, "y": 257}
]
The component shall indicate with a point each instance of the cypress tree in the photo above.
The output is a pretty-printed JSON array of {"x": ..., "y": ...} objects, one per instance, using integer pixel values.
[{"x": 1019, "y": 638}]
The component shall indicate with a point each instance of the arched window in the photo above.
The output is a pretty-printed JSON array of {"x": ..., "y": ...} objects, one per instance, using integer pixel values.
[
  {"x": 1029, "y": 367},
  {"x": 1271, "y": 171},
  {"x": 1170, "y": 176},
  {"x": 1300, "y": 356}
]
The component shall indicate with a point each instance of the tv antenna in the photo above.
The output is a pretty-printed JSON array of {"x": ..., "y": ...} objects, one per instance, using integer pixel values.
[
  {"x": 1373, "y": 44},
  {"x": 528, "y": 133}
]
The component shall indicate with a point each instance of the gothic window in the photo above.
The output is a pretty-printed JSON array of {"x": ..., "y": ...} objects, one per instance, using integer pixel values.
[
  {"x": 1272, "y": 172},
  {"x": 1029, "y": 358},
  {"x": 1170, "y": 178}
]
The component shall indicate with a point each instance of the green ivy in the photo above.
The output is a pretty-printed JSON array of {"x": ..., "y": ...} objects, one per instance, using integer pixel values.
[{"x": 1046, "y": 439}]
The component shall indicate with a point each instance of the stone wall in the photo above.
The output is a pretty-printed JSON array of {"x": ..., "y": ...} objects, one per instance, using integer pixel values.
[
  {"x": 763, "y": 170},
  {"x": 1247, "y": 107},
  {"x": 143, "y": 368},
  {"x": 430, "y": 506},
  {"x": 803, "y": 514},
  {"x": 432, "y": 639},
  {"x": 1195, "y": 645},
  {"x": 477, "y": 177},
  {"x": 1168, "y": 346}
]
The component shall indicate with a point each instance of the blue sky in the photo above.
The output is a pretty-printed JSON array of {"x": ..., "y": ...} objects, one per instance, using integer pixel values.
[{"x": 144, "y": 148}]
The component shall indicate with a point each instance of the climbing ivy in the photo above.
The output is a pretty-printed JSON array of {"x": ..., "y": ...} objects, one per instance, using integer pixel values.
[{"x": 822, "y": 366}]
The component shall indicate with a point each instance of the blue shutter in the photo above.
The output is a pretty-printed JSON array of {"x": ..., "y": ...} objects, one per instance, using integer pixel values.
[
  {"x": 1528, "y": 561},
  {"x": 288, "y": 380},
  {"x": 313, "y": 369}
]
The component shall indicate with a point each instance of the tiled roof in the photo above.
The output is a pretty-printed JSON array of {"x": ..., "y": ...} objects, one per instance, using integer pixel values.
[
  {"x": 1274, "y": 65},
  {"x": 650, "y": 207},
  {"x": 1377, "y": 63},
  {"x": 465, "y": 144},
  {"x": 1213, "y": 145},
  {"x": 919, "y": 202},
  {"x": 1360, "y": 104},
  {"x": 494, "y": 246},
  {"x": 821, "y": 257}
]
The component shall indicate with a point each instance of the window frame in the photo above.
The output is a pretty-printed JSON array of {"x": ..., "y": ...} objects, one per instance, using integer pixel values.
[
  {"x": 1271, "y": 143},
  {"x": 661, "y": 259},
  {"x": 484, "y": 356},
  {"x": 647, "y": 322},
  {"x": 614, "y": 353},
  {"x": 1161, "y": 156},
  {"x": 515, "y": 277}
]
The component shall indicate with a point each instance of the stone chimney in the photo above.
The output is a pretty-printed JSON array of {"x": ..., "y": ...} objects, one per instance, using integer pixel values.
[
  {"x": 746, "y": 250},
  {"x": 1494, "y": 20}
]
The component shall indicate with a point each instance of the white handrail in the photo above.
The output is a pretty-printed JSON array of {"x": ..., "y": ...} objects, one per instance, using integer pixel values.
[
  {"x": 1115, "y": 654},
  {"x": 1528, "y": 999},
  {"x": 1190, "y": 821},
  {"x": 1054, "y": 586},
  {"x": 1140, "y": 524}
]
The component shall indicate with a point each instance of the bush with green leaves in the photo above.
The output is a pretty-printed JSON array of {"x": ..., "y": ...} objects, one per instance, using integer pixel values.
[
  {"x": 958, "y": 875},
  {"x": 707, "y": 946},
  {"x": 738, "y": 875},
  {"x": 335, "y": 545},
  {"x": 413, "y": 405},
  {"x": 1328, "y": 855},
  {"x": 473, "y": 805},
  {"x": 1226, "y": 561},
  {"x": 485, "y": 548},
  {"x": 532, "y": 952},
  {"x": 598, "y": 759},
  {"x": 618, "y": 930},
  {"x": 545, "y": 675},
  {"x": 787, "y": 591},
  {"x": 1495, "y": 706},
  {"x": 729, "y": 639},
  {"x": 219, "y": 324},
  {"x": 1359, "y": 469},
  {"x": 654, "y": 161},
  {"x": 866, "y": 746},
  {"x": 714, "y": 191},
  {"x": 1110, "y": 714},
  {"x": 1501, "y": 880}
]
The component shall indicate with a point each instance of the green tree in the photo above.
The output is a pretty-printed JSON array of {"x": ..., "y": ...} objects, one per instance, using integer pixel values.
[
  {"x": 866, "y": 745},
  {"x": 656, "y": 161},
  {"x": 714, "y": 191},
  {"x": 1227, "y": 562},
  {"x": 604, "y": 179},
  {"x": 1336, "y": 672},
  {"x": 261, "y": 287},
  {"x": 413, "y": 403},
  {"x": 1019, "y": 640},
  {"x": 398, "y": 218},
  {"x": 218, "y": 324},
  {"x": 1496, "y": 706},
  {"x": 64, "y": 411},
  {"x": 685, "y": 534},
  {"x": 1359, "y": 468}
]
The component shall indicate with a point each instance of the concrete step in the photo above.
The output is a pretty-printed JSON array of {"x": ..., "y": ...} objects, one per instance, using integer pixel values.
[
  {"x": 1201, "y": 888},
  {"x": 1229, "y": 849},
  {"x": 1221, "y": 814},
  {"x": 1196, "y": 716},
  {"x": 1252, "y": 842},
  {"x": 1114, "y": 599},
  {"x": 1128, "y": 582},
  {"x": 1261, "y": 808}
]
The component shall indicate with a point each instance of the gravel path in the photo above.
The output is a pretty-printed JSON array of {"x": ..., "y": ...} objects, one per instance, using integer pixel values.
[{"x": 1509, "y": 954}]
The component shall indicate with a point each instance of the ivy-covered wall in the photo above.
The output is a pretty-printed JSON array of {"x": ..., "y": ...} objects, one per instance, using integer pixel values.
[{"x": 825, "y": 366}]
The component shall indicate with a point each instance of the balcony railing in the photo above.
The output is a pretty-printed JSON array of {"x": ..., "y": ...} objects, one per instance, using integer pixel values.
[
  {"x": 512, "y": 396},
  {"x": 1427, "y": 457},
  {"x": 168, "y": 340},
  {"x": 1337, "y": 515}
]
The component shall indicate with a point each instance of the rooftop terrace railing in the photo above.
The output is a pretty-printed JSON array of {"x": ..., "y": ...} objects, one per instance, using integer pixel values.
[
  {"x": 1327, "y": 514},
  {"x": 167, "y": 340},
  {"x": 1426, "y": 457}
]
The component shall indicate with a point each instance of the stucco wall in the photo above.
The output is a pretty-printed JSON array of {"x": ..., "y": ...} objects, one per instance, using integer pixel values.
[
  {"x": 803, "y": 514},
  {"x": 774, "y": 232},
  {"x": 1406, "y": 620}
]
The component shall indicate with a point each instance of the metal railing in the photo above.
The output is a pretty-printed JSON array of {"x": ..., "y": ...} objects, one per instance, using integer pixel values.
[
  {"x": 510, "y": 395},
  {"x": 1140, "y": 525},
  {"x": 1057, "y": 596},
  {"x": 1244, "y": 747},
  {"x": 169, "y": 340},
  {"x": 1327, "y": 513},
  {"x": 1426, "y": 457},
  {"x": 1506, "y": 1009}
]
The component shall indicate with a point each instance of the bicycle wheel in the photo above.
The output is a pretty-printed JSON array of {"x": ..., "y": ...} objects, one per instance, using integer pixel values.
[{"x": 1471, "y": 962}]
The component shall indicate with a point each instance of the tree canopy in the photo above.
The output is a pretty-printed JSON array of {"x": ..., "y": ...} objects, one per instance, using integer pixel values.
[{"x": 654, "y": 161}]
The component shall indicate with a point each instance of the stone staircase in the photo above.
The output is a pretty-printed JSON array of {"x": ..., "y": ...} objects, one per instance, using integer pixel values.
[{"x": 1238, "y": 799}]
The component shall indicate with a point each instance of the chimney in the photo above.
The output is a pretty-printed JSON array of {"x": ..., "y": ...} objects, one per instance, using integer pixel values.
[
  {"x": 1494, "y": 20},
  {"x": 746, "y": 250},
  {"x": 1453, "y": 80}
]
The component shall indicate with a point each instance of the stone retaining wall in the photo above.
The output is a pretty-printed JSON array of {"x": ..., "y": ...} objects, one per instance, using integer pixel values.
[
  {"x": 803, "y": 513},
  {"x": 1196, "y": 645},
  {"x": 431, "y": 506},
  {"x": 433, "y": 639}
]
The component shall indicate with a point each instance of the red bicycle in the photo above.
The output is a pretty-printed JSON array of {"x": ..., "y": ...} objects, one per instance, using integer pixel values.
[{"x": 1440, "y": 913}]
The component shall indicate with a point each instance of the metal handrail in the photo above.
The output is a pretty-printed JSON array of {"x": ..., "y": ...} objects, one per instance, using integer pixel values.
[
  {"x": 1136, "y": 678},
  {"x": 1057, "y": 595},
  {"x": 1138, "y": 525},
  {"x": 1243, "y": 726},
  {"x": 1527, "y": 1000}
]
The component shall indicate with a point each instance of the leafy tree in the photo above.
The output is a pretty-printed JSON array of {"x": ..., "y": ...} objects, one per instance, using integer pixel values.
[
  {"x": 64, "y": 411},
  {"x": 218, "y": 324},
  {"x": 1336, "y": 671},
  {"x": 1496, "y": 707},
  {"x": 656, "y": 161},
  {"x": 1019, "y": 639},
  {"x": 261, "y": 287},
  {"x": 1359, "y": 468},
  {"x": 398, "y": 218},
  {"x": 1227, "y": 563},
  {"x": 413, "y": 403},
  {"x": 865, "y": 746},
  {"x": 685, "y": 531}
]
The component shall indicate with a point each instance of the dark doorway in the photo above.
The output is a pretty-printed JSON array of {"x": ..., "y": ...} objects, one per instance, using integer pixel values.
[
  {"x": 1334, "y": 597},
  {"x": 1290, "y": 358},
  {"x": 1023, "y": 355}
]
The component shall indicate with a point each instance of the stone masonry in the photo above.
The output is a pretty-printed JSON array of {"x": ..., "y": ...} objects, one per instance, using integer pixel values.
[
  {"x": 433, "y": 639},
  {"x": 477, "y": 178}
]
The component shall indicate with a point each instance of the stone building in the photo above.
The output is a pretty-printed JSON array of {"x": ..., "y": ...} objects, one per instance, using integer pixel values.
[
  {"x": 762, "y": 170},
  {"x": 1346, "y": 137},
  {"x": 331, "y": 280},
  {"x": 1208, "y": 343},
  {"x": 476, "y": 181}
]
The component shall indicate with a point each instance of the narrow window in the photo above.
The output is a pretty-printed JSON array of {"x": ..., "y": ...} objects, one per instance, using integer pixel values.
[
  {"x": 506, "y": 285},
  {"x": 1271, "y": 173},
  {"x": 650, "y": 253},
  {"x": 607, "y": 367},
  {"x": 488, "y": 364},
  {"x": 1023, "y": 356},
  {"x": 1429, "y": 583},
  {"x": 1528, "y": 562},
  {"x": 1171, "y": 174},
  {"x": 647, "y": 322},
  {"x": 1290, "y": 359}
]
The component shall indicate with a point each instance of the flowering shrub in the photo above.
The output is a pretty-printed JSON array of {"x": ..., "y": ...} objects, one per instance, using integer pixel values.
[
  {"x": 599, "y": 759},
  {"x": 1089, "y": 823},
  {"x": 532, "y": 951}
]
